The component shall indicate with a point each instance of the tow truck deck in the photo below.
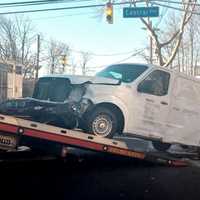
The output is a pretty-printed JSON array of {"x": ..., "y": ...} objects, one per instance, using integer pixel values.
[{"x": 15, "y": 132}]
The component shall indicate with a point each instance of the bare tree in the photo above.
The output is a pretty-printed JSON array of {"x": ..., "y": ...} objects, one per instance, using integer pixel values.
[
  {"x": 8, "y": 42},
  {"x": 16, "y": 38},
  {"x": 194, "y": 43},
  {"x": 85, "y": 57},
  {"x": 56, "y": 51},
  {"x": 73, "y": 66},
  {"x": 175, "y": 37},
  {"x": 187, "y": 58},
  {"x": 25, "y": 33}
]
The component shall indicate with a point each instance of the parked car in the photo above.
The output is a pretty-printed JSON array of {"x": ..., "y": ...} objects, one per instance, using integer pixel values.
[{"x": 139, "y": 100}]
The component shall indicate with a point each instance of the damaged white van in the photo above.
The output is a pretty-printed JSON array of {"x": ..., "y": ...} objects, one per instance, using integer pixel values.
[{"x": 136, "y": 99}]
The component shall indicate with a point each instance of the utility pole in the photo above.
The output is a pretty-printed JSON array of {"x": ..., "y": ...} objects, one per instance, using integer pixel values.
[
  {"x": 150, "y": 38},
  {"x": 150, "y": 44},
  {"x": 14, "y": 78},
  {"x": 38, "y": 57}
]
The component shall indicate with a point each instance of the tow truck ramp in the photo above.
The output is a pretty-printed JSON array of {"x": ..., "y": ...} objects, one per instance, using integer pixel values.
[{"x": 15, "y": 132}]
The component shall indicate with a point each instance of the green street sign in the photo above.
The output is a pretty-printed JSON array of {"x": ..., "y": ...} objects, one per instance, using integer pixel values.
[{"x": 134, "y": 12}]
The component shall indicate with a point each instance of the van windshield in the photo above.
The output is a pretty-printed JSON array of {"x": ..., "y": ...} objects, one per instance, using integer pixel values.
[{"x": 123, "y": 72}]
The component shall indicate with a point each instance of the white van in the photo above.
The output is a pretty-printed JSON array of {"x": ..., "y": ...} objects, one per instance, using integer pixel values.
[{"x": 137, "y": 99}]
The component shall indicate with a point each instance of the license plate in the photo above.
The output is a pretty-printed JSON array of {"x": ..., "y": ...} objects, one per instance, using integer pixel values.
[{"x": 7, "y": 141}]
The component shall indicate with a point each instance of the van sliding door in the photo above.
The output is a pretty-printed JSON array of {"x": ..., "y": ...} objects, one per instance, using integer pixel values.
[{"x": 153, "y": 104}]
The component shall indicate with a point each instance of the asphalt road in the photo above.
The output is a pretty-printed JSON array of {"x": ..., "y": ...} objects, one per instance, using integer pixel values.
[{"x": 97, "y": 177}]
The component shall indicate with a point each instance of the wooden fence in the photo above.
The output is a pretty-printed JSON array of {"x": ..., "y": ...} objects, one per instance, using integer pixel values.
[{"x": 10, "y": 85}]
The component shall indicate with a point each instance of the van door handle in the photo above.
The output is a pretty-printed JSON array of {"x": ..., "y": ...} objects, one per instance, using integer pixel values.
[
  {"x": 149, "y": 100},
  {"x": 164, "y": 103}
]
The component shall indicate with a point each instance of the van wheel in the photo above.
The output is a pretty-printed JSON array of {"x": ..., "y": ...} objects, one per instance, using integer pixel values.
[
  {"x": 161, "y": 146},
  {"x": 102, "y": 122}
]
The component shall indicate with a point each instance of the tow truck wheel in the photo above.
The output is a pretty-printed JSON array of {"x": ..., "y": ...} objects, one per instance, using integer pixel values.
[
  {"x": 161, "y": 146},
  {"x": 102, "y": 122}
]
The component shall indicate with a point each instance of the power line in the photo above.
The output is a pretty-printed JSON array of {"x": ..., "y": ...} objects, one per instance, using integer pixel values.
[
  {"x": 86, "y": 6},
  {"x": 63, "y": 8},
  {"x": 33, "y": 2},
  {"x": 134, "y": 54},
  {"x": 90, "y": 6},
  {"x": 176, "y": 2},
  {"x": 42, "y": 3},
  {"x": 25, "y": 2},
  {"x": 120, "y": 61},
  {"x": 175, "y": 8},
  {"x": 64, "y": 15},
  {"x": 52, "y": 9},
  {"x": 94, "y": 54}
]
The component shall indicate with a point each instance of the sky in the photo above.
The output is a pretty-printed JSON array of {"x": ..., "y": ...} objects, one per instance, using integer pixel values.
[{"x": 87, "y": 30}]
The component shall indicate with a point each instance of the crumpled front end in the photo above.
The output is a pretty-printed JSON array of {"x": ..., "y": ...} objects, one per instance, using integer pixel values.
[
  {"x": 63, "y": 114},
  {"x": 59, "y": 101}
]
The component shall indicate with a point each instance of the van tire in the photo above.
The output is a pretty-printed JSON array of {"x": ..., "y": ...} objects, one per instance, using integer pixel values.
[
  {"x": 102, "y": 122},
  {"x": 161, "y": 146}
]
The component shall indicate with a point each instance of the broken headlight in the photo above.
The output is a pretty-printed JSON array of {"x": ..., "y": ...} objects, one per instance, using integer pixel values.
[{"x": 79, "y": 108}]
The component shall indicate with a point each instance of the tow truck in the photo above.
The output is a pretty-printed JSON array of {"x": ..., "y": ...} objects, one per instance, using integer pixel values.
[
  {"x": 72, "y": 111},
  {"x": 16, "y": 132}
]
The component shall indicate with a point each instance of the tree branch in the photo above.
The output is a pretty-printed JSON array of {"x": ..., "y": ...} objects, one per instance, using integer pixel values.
[{"x": 185, "y": 20}]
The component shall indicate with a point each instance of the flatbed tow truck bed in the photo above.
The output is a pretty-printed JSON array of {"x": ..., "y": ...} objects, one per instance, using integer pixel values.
[{"x": 15, "y": 132}]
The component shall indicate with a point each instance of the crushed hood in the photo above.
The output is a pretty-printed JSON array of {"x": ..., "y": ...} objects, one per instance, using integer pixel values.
[{"x": 76, "y": 79}]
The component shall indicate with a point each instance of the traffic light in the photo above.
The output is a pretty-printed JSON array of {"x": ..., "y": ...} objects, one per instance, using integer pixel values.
[
  {"x": 109, "y": 13},
  {"x": 64, "y": 60}
]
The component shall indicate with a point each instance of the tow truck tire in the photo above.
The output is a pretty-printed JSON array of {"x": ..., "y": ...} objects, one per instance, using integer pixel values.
[
  {"x": 161, "y": 146},
  {"x": 102, "y": 122}
]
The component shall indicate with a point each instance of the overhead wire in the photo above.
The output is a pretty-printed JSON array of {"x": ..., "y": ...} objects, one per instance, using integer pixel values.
[
  {"x": 176, "y": 2},
  {"x": 95, "y": 54},
  {"x": 64, "y": 15},
  {"x": 43, "y": 3},
  {"x": 29, "y": 2},
  {"x": 132, "y": 55},
  {"x": 125, "y": 59},
  {"x": 64, "y": 8},
  {"x": 175, "y": 8}
]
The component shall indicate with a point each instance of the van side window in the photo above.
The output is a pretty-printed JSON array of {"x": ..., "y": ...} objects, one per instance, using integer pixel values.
[{"x": 156, "y": 83}]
